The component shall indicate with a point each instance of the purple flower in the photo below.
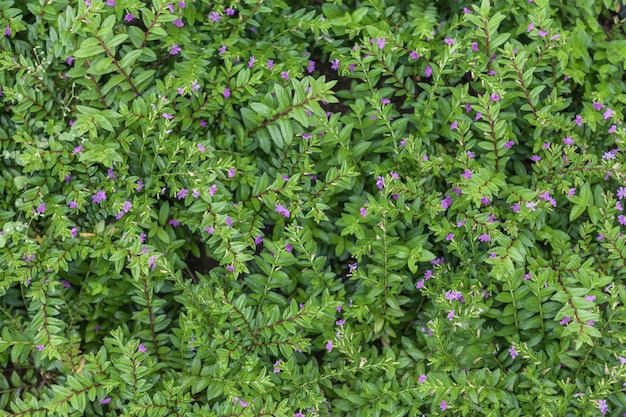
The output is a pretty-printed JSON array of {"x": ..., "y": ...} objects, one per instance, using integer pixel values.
[
  {"x": 73, "y": 231},
  {"x": 174, "y": 223},
  {"x": 467, "y": 174},
  {"x": 335, "y": 64},
  {"x": 251, "y": 61},
  {"x": 509, "y": 144},
  {"x": 484, "y": 237},
  {"x": 7, "y": 31},
  {"x": 446, "y": 202},
  {"x": 443, "y": 405},
  {"x": 288, "y": 248},
  {"x": 479, "y": 115},
  {"x": 70, "y": 59},
  {"x": 602, "y": 406},
  {"x": 167, "y": 116},
  {"x": 230, "y": 268},
  {"x": 530, "y": 26},
  {"x": 77, "y": 149},
  {"x": 428, "y": 274},
  {"x": 329, "y": 346},
  {"x": 579, "y": 120},
  {"x": 284, "y": 75},
  {"x": 214, "y": 16},
  {"x": 212, "y": 190},
  {"x": 41, "y": 209},
  {"x": 179, "y": 23},
  {"x": 223, "y": 49},
  {"x": 209, "y": 230},
  {"x": 363, "y": 211},
  {"x": 142, "y": 348},
  {"x": 270, "y": 64},
  {"x": 276, "y": 365},
  {"x": 612, "y": 129},
  {"x": 621, "y": 219},
  {"x": 182, "y": 193},
  {"x": 542, "y": 33},
  {"x": 226, "y": 92},
  {"x": 201, "y": 147},
  {"x": 422, "y": 378},
  {"x": 29, "y": 258},
  {"x": 513, "y": 352},
  {"x": 352, "y": 267},
  {"x": 420, "y": 284},
  {"x": 110, "y": 3},
  {"x": 449, "y": 41},
  {"x": 413, "y": 55},
  {"x": 466, "y": 10},
  {"x": 565, "y": 321},
  {"x": 129, "y": 17},
  {"x": 608, "y": 113},
  {"x": 380, "y": 183},
  {"x": 495, "y": 97},
  {"x": 299, "y": 415},
  {"x": 475, "y": 46},
  {"x": 111, "y": 174},
  {"x": 105, "y": 401},
  {"x": 450, "y": 236},
  {"x": 195, "y": 193},
  {"x": 571, "y": 192},
  {"x": 139, "y": 186},
  {"x": 280, "y": 209},
  {"x": 99, "y": 197},
  {"x": 311, "y": 67},
  {"x": 73, "y": 204},
  {"x": 229, "y": 221},
  {"x": 598, "y": 105},
  {"x": 621, "y": 193},
  {"x": 454, "y": 295},
  {"x": 230, "y": 11},
  {"x": 454, "y": 125},
  {"x": 151, "y": 264},
  {"x": 232, "y": 172},
  {"x": 535, "y": 158},
  {"x": 428, "y": 71},
  {"x": 258, "y": 240}
]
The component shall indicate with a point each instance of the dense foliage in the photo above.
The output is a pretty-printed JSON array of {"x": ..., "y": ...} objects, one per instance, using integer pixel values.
[{"x": 347, "y": 208}]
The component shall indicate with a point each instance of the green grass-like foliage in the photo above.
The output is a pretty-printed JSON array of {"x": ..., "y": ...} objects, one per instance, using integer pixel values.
[{"x": 277, "y": 208}]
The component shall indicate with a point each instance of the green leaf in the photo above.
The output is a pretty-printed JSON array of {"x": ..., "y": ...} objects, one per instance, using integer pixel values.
[{"x": 164, "y": 212}]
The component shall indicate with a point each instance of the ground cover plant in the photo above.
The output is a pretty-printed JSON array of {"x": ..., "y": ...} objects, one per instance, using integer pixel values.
[{"x": 280, "y": 208}]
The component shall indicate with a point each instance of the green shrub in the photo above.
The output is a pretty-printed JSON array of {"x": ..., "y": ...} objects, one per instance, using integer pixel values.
[{"x": 277, "y": 208}]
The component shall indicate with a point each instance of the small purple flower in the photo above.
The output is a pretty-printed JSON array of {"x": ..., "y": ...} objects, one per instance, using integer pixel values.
[
  {"x": 612, "y": 129},
  {"x": 450, "y": 236},
  {"x": 251, "y": 61},
  {"x": 535, "y": 158},
  {"x": 258, "y": 240},
  {"x": 602, "y": 406},
  {"x": 475, "y": 46},
  {"x": 212, "y": 190},
  {"x": 515, "y": 207},
  {"x": 329, "y": 346},
  {"x": 280, "y": 209},
  {"x": 139, "y": 186},
  {"x": 513, "y": 352},
  {"x": 578, "y": 120},
  {"x": 567, "y": 140},
  {"x": 142, "y": 348},
  {"x": 527, "y": 276},
  {"x": 530, "y": 26},
  {"x": 495, "y": 97},
  {"x": 230, "y": 11},
  {"x": 363, "y": 211},
  {"x": 413, "y": 55},
  {"x": 201, "y": 147},
  {"x": 428, "y": 71},
  {"x": 311, "y": 67},
  {"x": 420, "y": 284},
  {"x": 454, "y": 125},
  {"x": 467, "y": 174},
  {"x": 288, "y": 248},
  {"x": 77, "y": 149},
  {"x": 209, "y": 230},
  {"x": 73, "y": 231},
  {"x": 479, "y": 116},
  {"x": 597, "y": 105},
  {"x": 449, "y": 41},
  {"x": 276, "y": 365},
  {"x": 72, "y": 204},
  {"x": 621, "y": 219},
  {"x": 270, "y": 64},
  {"x": 223, "y": 49},
  {"x": 99, "y": 197},
  {"x": 542, "y": 33},
  {"x": 446, "y": 202},
  {"x": 29, "y": 258},
  {"x": 105, "y": 401},
  {"x": 484, "y": 238},
  {"x": 352, "y": 267},
  {"x": 174, "y": 223},
  {"x": 181, "y": 194},
  {"x": 565, "y": 321},
  {"x": 608, "y": 113},
  {"x": 232, "y": 172},
  {"x": 152, "y": 264},
  {"x": 509, "y": 144},
  {"x": 443, "y": 405},
  {"x": 226, "y": 92},
  {"x": 178, "y": 22},
  {"x": 422, "y": 379},
  {"x": 129, "y": 17},
  {"x": 195, "y": 193},
  {"x": 335, "y": 64},
  {"x": 571, "y": 192},
  {"x": 380, "y": 183},
  {"x": 167, "y": 116},
  {"x": 214, "y": 16},
  {"x": 229, "y": 221},
  {"x": 230, "y": 268},
  {"x": 175, "y": 49},
  {"x": 110, "y": 3},
  {"x": 41, "y": 209},
  {"x": 284, "y": 75},
  {"x": 428, "y": 274}
]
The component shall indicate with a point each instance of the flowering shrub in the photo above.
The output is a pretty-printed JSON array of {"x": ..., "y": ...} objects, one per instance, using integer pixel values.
[{"x": 347, "y": 208}]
